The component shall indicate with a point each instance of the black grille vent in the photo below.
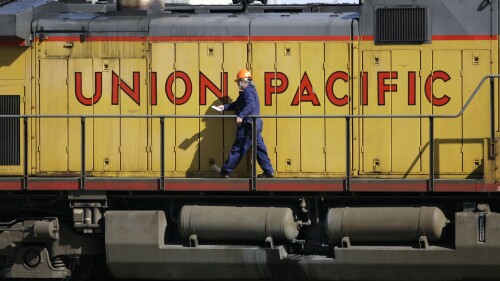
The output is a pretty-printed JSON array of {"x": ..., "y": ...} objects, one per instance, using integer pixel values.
[
  {"x": 401, "y": 25},
  {"x": 9, "y": 131}
]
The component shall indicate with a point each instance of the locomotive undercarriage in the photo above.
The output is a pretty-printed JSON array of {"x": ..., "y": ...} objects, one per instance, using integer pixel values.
[{"x": 265, "y": 236}]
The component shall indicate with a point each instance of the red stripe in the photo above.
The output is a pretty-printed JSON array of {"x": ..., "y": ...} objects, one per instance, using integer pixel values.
[
  {"x": 122, "y": 185},
  {"x": 399, "y": 187},
  {"x": 11, "y": 185},
  {"x": 301, "y": 38},
  {"x": 460, "y": 187},
  {"x": 307, "y": 187},
  {"x": 366, "y": 38},
  {"x": 197, "y": 38},
  {"x": 53, "y": 185},
  {"x": 229, "y": 185},
  {"x": 299, "y": 185},
  {"x": 492, "y": 187}
]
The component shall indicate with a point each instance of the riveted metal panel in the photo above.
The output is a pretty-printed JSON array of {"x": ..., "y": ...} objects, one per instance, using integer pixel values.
[
  {"x": 476, "y": 123},
  {"x": 208, "y": 25},
  {"x": 312, "y": 131},
  {"x": 376, "y": 133},
  {"x": 187, "y": 103},
  {"x": 82, "y": 86},
  {"x": 121, "y": 25},
  {"x": 12, "y": 63},
  {"x": 405, "y": 133},
  {"x": 107, "y": 130},
  {"x": 53, "y": 132},
  {"x": 211, "y": 130},
  {"x": 302, "y": 24},
  {"x": 134, "y": 131},
  {"x": 288, "y": 62},
  {"x": 448, "y": 132},
  {"x": 162, "y": 65},
  {"x": 336, "y": 61},
  {"x": 118, "y": 37},
  {"x": 263, "y": 63},
  {"x": 235, "y": 58}
]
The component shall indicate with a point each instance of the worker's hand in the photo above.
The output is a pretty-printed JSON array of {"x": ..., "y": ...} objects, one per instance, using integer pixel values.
[
  {"x": 221, "y": 107},
  {"x": 238, "y": 121}
]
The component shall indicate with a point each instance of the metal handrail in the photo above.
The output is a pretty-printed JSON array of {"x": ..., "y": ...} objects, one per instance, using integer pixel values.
[{"x": 348, "y": 119}]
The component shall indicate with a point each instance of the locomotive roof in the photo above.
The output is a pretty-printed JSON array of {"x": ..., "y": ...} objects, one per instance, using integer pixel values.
[{"x": 20, "y": 18}]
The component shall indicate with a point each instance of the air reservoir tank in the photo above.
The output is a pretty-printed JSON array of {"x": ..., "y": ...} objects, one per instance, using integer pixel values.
[
  {"x": 385, "y": 224},
  {"x": 238, "y": 223}
]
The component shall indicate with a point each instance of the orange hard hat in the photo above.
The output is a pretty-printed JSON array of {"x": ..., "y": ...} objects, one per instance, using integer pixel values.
[{"x": 243, "y": 73}]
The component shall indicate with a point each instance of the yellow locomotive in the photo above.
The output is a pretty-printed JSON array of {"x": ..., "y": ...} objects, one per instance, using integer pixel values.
[{"x": 380, "y": 118}]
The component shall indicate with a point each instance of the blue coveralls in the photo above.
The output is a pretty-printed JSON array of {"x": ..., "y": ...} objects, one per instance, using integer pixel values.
[{"x": 247, "y": 104}]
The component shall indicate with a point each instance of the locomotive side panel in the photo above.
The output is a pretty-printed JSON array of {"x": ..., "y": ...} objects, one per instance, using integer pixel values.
[
  {"x": 52, "y": 99},
  {"x": 234, "y": 60},
  {"x": 447, "y": 99},
  {"x": 475, "y": 64},
  {"x": 81, "y": 80},
  {"x": 312, "y": 131},
  {"x": 106, "y": 130},
  {"x": 434, "y": 77},
  {"x": 15, "y": 71},
  {"x": 264, "y": 69},
  {"x": 376, "y": 71},
  {"x": 405, "y": 133},
  {"x": 211, "y": 130},
  {"x": 339, "y": 99},
  {"x": 162, "y": 64}
]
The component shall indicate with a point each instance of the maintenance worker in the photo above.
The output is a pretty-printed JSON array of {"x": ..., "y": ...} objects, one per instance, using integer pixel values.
[{"x": 247, "y": 104}]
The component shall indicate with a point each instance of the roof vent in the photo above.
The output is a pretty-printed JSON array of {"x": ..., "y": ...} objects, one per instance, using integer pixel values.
[{"x": 401, "y": 25}]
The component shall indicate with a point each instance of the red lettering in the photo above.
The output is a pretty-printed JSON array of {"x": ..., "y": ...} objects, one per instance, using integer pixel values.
[
  {"x": 97, "y": 89},
  {"x": 269, "y": 78},
  {"x": 153, "y": 89},
  {"x": 364, "y": 88},
  {"x": 329, "y": 88},
  {"x": 187, "y": 93},
  {"x": 383, "y": 87},
  {"x": 134, "y": 93},
  {"x": 205, "y": 84},
  {"x": 412, "y": 88},
  {"x": 305, "y": 84},
  {"x": 429, "y": 90}
]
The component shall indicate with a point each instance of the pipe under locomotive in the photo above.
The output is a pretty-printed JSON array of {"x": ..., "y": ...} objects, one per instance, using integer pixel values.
[{"x": 380, "y": 116}]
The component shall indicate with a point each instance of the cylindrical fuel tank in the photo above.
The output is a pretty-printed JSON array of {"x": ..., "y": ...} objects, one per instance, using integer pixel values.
[
  {"x": 238, "y": 223},
  {"x": 385, "y": 224}
]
